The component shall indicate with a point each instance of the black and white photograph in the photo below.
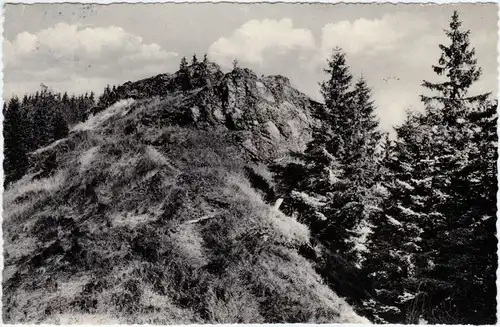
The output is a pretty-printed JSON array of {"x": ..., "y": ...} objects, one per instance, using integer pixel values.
[{"x": 250, "y": 163}]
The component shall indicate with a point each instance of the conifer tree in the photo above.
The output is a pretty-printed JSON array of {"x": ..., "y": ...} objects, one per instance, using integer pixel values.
[
  {"x": 15, "y": 151},
  {"x": 183, "y": 64},
  {"x": 320, "y": 161},
  {"x": 65, "y": 98},
  {"x": 460, "y": 240},
  {"x": 183, "y": 76},
  {"x": 42, "y": 118},
  {"x": 452, "y": 244},
  {"x": 327, "y": 192},
  {"x": 459, "y": 65},
  {"x": 59, "y": 126},
  {"x": 364, "y": 139}
]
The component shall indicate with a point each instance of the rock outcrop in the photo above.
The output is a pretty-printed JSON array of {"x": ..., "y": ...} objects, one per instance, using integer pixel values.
[{"x": 268, "y": 114}]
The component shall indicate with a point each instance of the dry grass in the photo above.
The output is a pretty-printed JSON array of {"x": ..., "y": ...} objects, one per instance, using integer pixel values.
[{"x": 121, "y": 241}]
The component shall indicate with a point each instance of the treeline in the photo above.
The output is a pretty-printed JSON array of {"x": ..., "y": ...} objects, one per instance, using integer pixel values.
[
  {"x": 38, "y": 119},
  {"x": 35, "y": 121},
  {"x": 405, "y": 227}
]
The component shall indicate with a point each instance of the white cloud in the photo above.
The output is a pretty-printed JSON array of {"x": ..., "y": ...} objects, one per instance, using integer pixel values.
[
  {"x": 255, "y": 38},
  {"x": 370, "y": 37},
  {"x": 66, "y": 54}
]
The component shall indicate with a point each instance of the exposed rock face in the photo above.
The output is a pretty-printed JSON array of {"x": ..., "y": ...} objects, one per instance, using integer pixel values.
[{"x": 268, "y": 114}]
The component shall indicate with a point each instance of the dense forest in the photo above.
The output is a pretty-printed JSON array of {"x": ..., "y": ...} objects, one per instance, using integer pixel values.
[
  {"x": 38, "y": 119},
  {"x": 403, "y": 224},
  {"x": 410, "y": 229}
]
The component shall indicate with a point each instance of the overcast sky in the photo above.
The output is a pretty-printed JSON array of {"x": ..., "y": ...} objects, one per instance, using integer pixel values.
[{"x": 81, "y": 47}]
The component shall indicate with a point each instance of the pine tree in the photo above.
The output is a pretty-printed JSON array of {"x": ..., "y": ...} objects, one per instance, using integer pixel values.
[
  {"x": 59, "y": 126},
  {"x": 194, "y": 60},
  {"x": 16, "y": 159},
  {"x": 364, "y": 139},
  {"x": 183, "y": 76},
  {"x": 184, "y": 64},
  {"x": 459, "y": 65},
  {"x": 330, "y": 191},
  {"x": 92, "y": 97},
  {"x": 41, "y": 119}
]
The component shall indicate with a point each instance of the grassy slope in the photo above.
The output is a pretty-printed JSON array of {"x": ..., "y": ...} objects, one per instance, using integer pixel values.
[{"x": 152, "y": 224}]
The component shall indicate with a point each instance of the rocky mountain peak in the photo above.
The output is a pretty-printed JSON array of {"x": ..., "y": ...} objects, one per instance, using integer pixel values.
[{"x": 267, "y": 112}]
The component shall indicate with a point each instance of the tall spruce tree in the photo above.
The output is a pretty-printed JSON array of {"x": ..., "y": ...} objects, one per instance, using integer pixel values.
[
  {"x": 453, "y": 245},
  {"x": 320, "y": 162},
  {"x": 459, "y": 66}
]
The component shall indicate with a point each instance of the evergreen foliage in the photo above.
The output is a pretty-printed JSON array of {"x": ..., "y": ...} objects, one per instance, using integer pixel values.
[
  {"x": 183, "y": 76},
  {"x": 459, "y": 66},
  {"x": 426, "y": 200},
  {"x": 433, "y": 250},
  {"x": 36, "y": 121},
  {"x": 15, "y": 141}
]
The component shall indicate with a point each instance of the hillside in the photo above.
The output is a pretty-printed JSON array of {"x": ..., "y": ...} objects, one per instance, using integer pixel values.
[{"x": 159, "y": 209}]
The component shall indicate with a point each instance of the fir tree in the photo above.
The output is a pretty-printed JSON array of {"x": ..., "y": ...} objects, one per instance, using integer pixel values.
[
  {"x": 364, "y": 139},
  {"x": 460, "y": 241},
  {"x": 183, "y": 76},
  {"x": 15, "y": 147},
  {"x": 59, "y": 126},
  {"x": 459, "y": 65},
  {"x": 42, "y": 118},
  {"x": 184, "y": 64},
  {"x": 65, "y": 98},
  {"x": 92, "y": 97},
  {"x": 331, "y": 192}
]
